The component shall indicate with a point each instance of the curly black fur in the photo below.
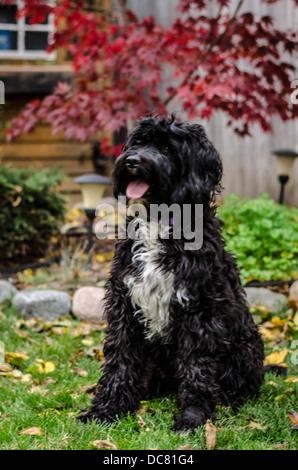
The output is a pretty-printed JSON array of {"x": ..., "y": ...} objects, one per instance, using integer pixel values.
[{"x": 210, "y": 351}]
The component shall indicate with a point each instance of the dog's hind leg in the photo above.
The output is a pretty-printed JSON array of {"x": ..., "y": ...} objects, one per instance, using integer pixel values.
[{"x": 242, "y": 370}]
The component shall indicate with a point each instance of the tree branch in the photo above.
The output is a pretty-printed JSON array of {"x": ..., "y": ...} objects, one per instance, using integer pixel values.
[
  {"x": 121, "y": 6},
  {"x": 211, "y": 46}
]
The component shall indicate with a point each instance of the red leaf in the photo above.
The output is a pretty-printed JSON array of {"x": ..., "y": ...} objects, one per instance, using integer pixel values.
[
  {"x": 119, "y": 70},
  {"x": 248, "y": 18},
  {"x": 113, "y": 29},
  {"x": 221, "y": 89},
  {"x": 267, "y": 20}
]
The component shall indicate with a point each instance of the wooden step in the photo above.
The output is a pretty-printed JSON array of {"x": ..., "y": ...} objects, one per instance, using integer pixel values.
[
  {"x": 43, "y": 150},
  {"x": 71, "y": 166}
]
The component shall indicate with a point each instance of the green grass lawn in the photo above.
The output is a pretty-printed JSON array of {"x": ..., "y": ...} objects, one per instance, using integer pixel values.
[{"x": 51, "y": 370}]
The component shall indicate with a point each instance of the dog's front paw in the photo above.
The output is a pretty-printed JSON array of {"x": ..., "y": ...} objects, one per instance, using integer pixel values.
[{"x": 190, "y": 418}]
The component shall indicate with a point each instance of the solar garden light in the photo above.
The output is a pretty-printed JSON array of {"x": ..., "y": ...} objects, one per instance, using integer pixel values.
[
  {"x": 93, "y": 187},
  {"x": 285, "y": 162}
]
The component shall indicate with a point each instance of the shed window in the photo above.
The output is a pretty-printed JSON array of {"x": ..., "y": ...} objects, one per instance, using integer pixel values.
[{"x": 21, "y": 40}]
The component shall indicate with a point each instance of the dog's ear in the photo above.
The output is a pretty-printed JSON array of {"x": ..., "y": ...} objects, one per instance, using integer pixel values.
[
  {"x": 208, "y": 161},
  {"x": 202, "y": 167}
]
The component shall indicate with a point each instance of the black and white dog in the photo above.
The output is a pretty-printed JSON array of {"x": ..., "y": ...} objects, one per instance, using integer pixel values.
[{"x": 177, "y": 319}]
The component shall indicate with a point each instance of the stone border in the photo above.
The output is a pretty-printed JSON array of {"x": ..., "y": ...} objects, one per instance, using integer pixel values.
[{"x": 87, "y": 303}]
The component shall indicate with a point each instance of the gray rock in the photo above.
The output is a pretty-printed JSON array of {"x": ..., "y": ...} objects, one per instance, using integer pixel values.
[
  {"x": 87, "y": 304},
  {"x": 293, "y": 293},
  {"x": 265, "y": 297},
  {"x": 7, "y": 291},
  {"x": 49, "y": 305}
]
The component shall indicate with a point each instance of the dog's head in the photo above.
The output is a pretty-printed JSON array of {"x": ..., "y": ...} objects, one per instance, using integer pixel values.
[{"x": 166, "y": 161}]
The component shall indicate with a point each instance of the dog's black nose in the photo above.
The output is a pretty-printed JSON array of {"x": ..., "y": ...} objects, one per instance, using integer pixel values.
[{"x": 132, "y": 162}]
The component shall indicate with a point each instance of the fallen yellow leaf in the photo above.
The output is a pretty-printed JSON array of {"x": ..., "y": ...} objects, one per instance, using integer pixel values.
[
  {"x": 15, "y": 358},
  {"x": 291, "y": 379},
  {"x": 39, "y": 389},
  {"x": 14, "y": 374},
  {"x": 37, "y": 368},
  {"x": 272, "y": 383},
  {"x": 26, "y": 378},
  {"x": 49, "y": 367},
  {"x": 210, "y": 433},
  {"x": 17, "y": 374},
  {"x": 81, "y": 330},
  {"x": 42, "y": 367},
  {"x": 276, "y": 321},
  {"x": 104, "y": 445},
  {"x": 33, "y": 431},
  {"x": 59, "y": 330},
  {"x": 253, "y": 425},
  {"x": 276, "y": 357},
  {"x": 270, "y": 334},
  {"x": 81, "y": 372},
  {"x": 4, "y": 367},
  {"x": 87, "y": 342},
  {"x": 48, "y": 380}
]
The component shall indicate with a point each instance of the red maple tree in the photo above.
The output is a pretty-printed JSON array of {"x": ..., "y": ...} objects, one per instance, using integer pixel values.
[{"x": 232, "y": 62}]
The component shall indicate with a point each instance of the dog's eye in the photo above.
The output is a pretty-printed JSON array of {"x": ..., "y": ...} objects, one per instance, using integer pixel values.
[{"x": 165, "y": 149}]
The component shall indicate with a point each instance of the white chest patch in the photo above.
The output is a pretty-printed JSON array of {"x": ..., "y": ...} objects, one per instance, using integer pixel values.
[{"x": 152, "y": 287}]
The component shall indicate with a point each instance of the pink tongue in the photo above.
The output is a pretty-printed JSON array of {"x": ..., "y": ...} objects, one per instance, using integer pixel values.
[{"x": 136, "y": 189}]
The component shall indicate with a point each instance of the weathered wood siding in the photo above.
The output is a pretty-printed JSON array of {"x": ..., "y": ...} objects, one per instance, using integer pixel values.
[{"x": 42, "y": 149}]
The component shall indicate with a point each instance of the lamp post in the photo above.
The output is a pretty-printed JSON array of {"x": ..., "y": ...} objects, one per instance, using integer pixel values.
[
  {"x": 285, "y": 162},
  {"x": 92, "y": 186}
]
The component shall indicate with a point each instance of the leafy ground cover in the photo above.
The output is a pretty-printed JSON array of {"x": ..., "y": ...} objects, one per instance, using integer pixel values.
[
  {"x": 263, "y": 236},
  {"x": 50, "y": 372}
]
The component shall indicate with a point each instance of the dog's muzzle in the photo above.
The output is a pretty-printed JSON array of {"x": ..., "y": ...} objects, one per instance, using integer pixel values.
[{"x": 136, "y": 188}]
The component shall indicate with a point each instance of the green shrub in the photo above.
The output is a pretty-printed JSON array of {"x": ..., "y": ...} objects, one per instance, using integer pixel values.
[
  {"x": 263, "y": 235},
  {"x": 31, "y": 211}
]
